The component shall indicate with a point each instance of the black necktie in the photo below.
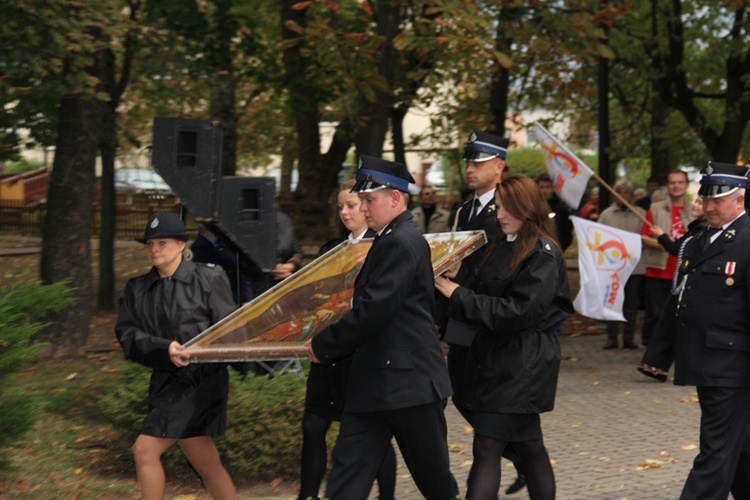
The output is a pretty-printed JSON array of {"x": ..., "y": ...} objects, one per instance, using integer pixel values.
[
  {"x": 706, "y": 237},
  {"x": 474, "y": 207}
]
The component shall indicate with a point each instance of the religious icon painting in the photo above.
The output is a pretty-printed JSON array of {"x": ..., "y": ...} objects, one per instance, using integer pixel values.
[{"x": 276, "y": 324}]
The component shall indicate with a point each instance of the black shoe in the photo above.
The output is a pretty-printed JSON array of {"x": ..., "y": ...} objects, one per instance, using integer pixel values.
[
  {"x": 629, "y": 345},
  {"x": 518, "y": 485},
  {"x": 658, "y": 376},
  {"x": 610, "y": 345}
]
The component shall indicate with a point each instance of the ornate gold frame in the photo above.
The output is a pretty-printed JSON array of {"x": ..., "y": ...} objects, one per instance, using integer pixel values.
[{"x": 276, "y": 324}]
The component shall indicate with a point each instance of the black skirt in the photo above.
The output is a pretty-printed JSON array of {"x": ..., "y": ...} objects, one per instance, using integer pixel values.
[
  {"x": 188, "y": 402},
  {"x": 508, "y": 427}
]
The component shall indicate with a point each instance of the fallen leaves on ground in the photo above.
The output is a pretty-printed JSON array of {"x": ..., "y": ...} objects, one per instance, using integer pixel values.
[
  {"x": 456, "y": 448},
  {"x": 689, "y": 399},
  {"x": 650, "y": 464}
]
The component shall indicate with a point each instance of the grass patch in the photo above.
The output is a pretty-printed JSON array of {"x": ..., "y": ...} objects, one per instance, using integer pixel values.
[{"x": 69, "y": 452}]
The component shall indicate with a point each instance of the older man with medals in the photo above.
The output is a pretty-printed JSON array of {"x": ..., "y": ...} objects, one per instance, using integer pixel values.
[{"x": 706, "y": 328}]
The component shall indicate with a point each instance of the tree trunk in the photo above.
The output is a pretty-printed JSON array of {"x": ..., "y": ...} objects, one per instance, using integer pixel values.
[
  {"x": 397, "y": 134},
  {"x": 66, "y": 253},
  {"x": 500, "y": 86},
  {"x": 661, "y": 156},
  {"x": 106, "y": 296},
  {"x": 369, "y": 138},
  {"x": 312, "y": 190},
  {"x": 222, "y": 104}
]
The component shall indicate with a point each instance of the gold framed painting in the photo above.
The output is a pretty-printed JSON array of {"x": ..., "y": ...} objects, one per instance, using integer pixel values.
[{"x": 276, "y": 324}]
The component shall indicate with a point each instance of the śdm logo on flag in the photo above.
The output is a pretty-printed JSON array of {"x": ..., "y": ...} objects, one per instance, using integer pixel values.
[
  {"x": 606, "y": 258},
  {"x": 569, "y": 174}
]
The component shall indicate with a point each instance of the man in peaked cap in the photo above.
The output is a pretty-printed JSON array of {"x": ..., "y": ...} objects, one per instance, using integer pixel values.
[
  {"x": 706, "y": 326},
  {"x": 484, "y": 155},
  {"x": 399, "y": 381}
]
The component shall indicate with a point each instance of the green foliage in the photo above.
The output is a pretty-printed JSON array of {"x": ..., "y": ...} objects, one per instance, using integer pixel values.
[
  {"x": 20, "y": 166},
  {"x": 22, "y": 312},
  {"x": 125, "y": 404},
  {"x": 263, "y": 438},
  {"x": 527, "y": 161}
]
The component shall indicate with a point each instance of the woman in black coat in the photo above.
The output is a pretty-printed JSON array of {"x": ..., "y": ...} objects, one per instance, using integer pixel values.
[
  {"x": 517, "y": 297},
  {"x": 187, "y": 404},
  {"x": 326, "y": 385}
]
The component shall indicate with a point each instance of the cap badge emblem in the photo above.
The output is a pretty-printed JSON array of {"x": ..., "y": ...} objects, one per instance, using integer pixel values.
[
  {"x": 359, "y": 164},
  {"x": 473, "y": 137},
  {"x": 709, "y": 170},
  {"x": 155, "y": 223}
]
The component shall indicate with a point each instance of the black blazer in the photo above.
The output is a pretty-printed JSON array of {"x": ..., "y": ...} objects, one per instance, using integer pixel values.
[
  {"x": 709, "y": 325},
  {"x": 484, "y": 220},
  {"x": 515, "y": 357},
  {"x": 397, "y": 361}
]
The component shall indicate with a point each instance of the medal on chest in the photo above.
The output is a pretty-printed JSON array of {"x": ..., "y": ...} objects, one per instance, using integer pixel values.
[{"x": 729, "y": 271}]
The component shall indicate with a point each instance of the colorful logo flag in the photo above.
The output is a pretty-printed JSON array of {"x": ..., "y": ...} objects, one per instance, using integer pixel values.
[
  {"x": 569, "y": 174},
  {"x": 606, "y": 258}
]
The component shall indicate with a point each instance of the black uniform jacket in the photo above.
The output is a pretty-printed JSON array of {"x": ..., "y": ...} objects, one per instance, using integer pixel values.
[
  {"x": 156, "y": 311},
  {"x": 515, "y": 357},
  {"x": 397, "y": 361},
  {"x": 708, "y": 325},
  {"x": 188, "y": 401}
]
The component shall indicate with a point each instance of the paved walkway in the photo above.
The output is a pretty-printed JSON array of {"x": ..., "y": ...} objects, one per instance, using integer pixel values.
[{"x": 614, "y": 433}]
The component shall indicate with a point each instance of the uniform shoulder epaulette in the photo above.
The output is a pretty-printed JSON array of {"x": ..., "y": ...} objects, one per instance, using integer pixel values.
[
  {"x": 547, "y": 244},
  {"x": 209, "y": 267}
]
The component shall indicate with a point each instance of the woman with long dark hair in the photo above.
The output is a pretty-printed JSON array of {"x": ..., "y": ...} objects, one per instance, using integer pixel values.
[{"x": 517, "y": 297}]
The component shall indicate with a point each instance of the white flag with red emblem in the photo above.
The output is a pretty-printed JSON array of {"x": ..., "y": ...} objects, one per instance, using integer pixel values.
[
  {"x": 606, "y": 258},
  {"x": 569, "y": 174}
]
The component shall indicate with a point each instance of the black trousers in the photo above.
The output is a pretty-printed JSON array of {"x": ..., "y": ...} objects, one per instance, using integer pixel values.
[
  {"x": 421, "y": 435},
  {"x": 657, "y": 293},
  {"x": 723, "y": 464}
]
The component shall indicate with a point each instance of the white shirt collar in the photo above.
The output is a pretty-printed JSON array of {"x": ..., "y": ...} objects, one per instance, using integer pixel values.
[
  {"x": 485, "y": 199},
  {"x": 362, "y": 235}
]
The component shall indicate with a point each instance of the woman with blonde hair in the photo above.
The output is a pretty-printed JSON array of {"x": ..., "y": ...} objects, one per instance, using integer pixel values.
[{"x": 187, "y": 403}]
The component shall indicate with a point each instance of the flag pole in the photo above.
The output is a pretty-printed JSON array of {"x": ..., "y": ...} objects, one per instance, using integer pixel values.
[
  {"x": 593, "y": 174},
  {"x": 622, "y": 200}
]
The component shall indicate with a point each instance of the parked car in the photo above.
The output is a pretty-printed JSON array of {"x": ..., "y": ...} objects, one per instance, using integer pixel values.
[{"x": 140, "y": 180}]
